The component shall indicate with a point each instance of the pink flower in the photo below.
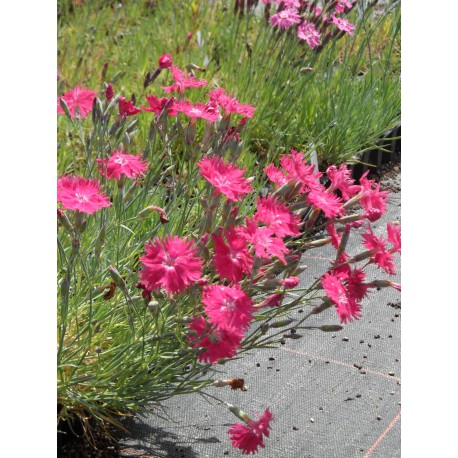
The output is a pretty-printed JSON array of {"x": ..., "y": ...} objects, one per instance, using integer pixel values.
[
  {"x": 157, "y": 105},
  {"x": 342, "y": 24},
  {"x": 381, "y": 256},
  {"x": 340, "y": 8},
  {"x": 207, "y": 112},
  {"x": 373, "y": 200},
  {"x": 394, "y": 236},
  {"x": 336, "y": 238},
  {"x": 307, "y": 31},
  {"x": 231, "y": 104},
  {"x": 227, "y": 307},
  {"x": 285, "y": 18},
  {"x": 165, "y": 61},
  {"x": 330, "y": 204},
  {"x": 341, "y": 179},
  {"x": 220, "y": 343},
  {"x": 277, "y": 216},
  {"x": 182, "y": 81},
  {"x": 109, "y": 93},
  {"x": 290, "y": 282},
  {"x": 226, "y": 178},
  {"x": 292, "y": 3},
  {"x": 357, "y": 289},
  {"x": 275, "y": 175},
  {"x": 297, "y": 170},
  {"x": 172, "y": 263},
  {"x": 120, "y": 164},
  {"x": 249, "y": 438},
  {"x": 79, "y": 100},
  {"x": 265, "y": 244},
  {"x": 232, "y": 260},
  {"x": 347, "y": 307},
  {"x": 126, "y": 108},
  {"x": 78, "y": 193}
]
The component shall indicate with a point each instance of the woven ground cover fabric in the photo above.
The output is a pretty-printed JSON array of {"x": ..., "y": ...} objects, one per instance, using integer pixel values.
[{"x": 333, "y": 395}]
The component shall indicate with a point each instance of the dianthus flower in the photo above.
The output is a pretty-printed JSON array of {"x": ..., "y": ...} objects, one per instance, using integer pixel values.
[
  {"x": 156, "y": 105},
  {"x": 79, "y": 100},
  {"x": 285, "y": 18},
  {"x": 373, "y": 200},
  {"x": 231, "y": 104},
  {"x": 330, "y": 204},
  {"x": 250, "y": 436},
  {"x": 394, "y": 236},
  {"x": 277, "y": 216},
  {"x": 120, "y": 164},
  {"x": 170, "y": 262},
  {"x": 227, "y": 307},
  {"x": 219, "y": 343},
  {"x": 274, "y": 300},
  {"x": 341, "y": 179},
  {"x": 165, "y": 61},
  {"x": 342, "y": 24},
  {"x": 182, "y": 81},
  {"x": 381, "y": 256},
  {"x": 226, "y": 178},
  {"x": 336, "y": 238},
  {"x": 199, "y": 110},
  {"x": 126, "y": 108},
  {"x": 290, "y": 282},
  {"x": 297, "y": 170},
  {"x": 109, "y": 93},
  {"x": 307, "y": 31},
  {"x": 232, "y": 260},
  {"x": 347, "y": 307},
  {"x": 292, "y": 3},
  {"x": 78, "y": 193},
  {"x": 265, "y": 244}
]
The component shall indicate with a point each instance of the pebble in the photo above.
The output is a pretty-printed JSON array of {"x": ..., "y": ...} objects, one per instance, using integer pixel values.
[
  {"x": 271, "y": 358},
  {"x": 379, "y": 417},
  {"x": 312, "y": 420},
  {"x": 361, "y": 341},
  {"x": 392, "y": 392},
  {"x": 377, "y": 336},
  {"x": 258, "y": 365},
  {"x": 345, "y": 339},
  {"x": 295, "y": 428},
  {"x": 391, "y": 374}
]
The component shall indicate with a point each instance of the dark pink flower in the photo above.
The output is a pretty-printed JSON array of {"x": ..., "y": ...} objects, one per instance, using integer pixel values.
[
  {"x": 341, "y": 179},
  {"x": 165, "y": 61},
  {"x": 156, "y": 105},
  {"x": 199, "y": 110},
  {"x": 306, "y": 31},
  {"x": 285, "y": 18},
  {"x": 231, "y": 104},
  {"x": 290, "y": 282},
  {"x": 373, "y": 200},
  {"x": 126, "y": 108},
  {"x": 297, "y": 170},
  {"x": 249, "y": 437},
  {"x": 219, "y": 343},
  {"x": 170, "y": 262},
  {"x": 226, "y": 178},
  {"x": 336, "y": 238},
  {"x": 274, "y": 300},
  {"x": 78, "y": 193},
  {"x": 227, "y": 307},
  {"x": 120, "y": 164},
  {"x": 232, "y": 260},
  {"x": 381, "y": 256},
  {"x": 347, "y": 307},
  {"x": 356, "y": 287},
  {"x": 276, "y": 175},
  {"x": 182, "y": 81},
  {"x": 79, "y": 100},
  {"x": 109, "y": 93},
  {"x": 329, "y": 203},
  {"x": 394, "y": 236},
  {"x": 342, "y": 24},
  {"x": 277, "y": 216}
]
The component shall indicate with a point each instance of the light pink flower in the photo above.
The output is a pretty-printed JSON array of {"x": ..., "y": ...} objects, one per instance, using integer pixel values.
[
  {"x": 249, "y": 437},
  {"x": 120, "y": 164},
  {"x": 219, "y": 343},
  {"x": 307, "y": 31},
  {"x": 165, "y": 61},
  {"x": 342, "y": 24},
  {"x": 156, "y": 105},
  {"x": 231, "y": 104},
  {"x": 79, "y": 100},
  {"x": 292, "y": 3},
  {"x": 347, "y": 307},
  {"x": 226, "y": 178},
  {"x": 199, "y": 110},
  {"x": 78, "y": 193},
  {"x": 285, "y": 18},
  {"x": 182, "y": 81},
  {"x": 232, "y": 260},
  {"x": 126, "y": 108},
  {"x": 170, "y": 262},
  {"x": 227, "y": 307},
  {"x": 330, "y": 204},
  {"x": 340, "y": 8},
  {"x": 381, "y": 256},
  {"x": 277, "y": 216}
]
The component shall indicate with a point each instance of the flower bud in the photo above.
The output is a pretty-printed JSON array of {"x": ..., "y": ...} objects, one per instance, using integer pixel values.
[
  {"x": 109, "y": 93},
  {"x": 288, "y": 190},
  {"x": 64, "y": 106},
  {"x": 322, "y": 307},
  {"x": 290, "y": 282},
  {"x": 281, "y": 323},
  {"x": 165, "y": 61},
  {"x": 330, "y": 328},
  {"x": 238, "y": 413},
  {"x": 117, "y": 278},
  {"x": 292, "y": 336},
  {"x": 162, "y": 213},
  {"x": 153, "y": 307},
  {"x": 64, "y": 221}
]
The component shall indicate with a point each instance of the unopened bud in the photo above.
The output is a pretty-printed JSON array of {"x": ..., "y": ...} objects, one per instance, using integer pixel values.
[
  {"x": 64, "y": 221},
  {"x": 292, "y": 336},
  {"x": 117, "y": 278},
  {"x": 165, "y": 61},
  {"x": 238, "y": 412},
  {"x": 288, "y": 190},
  {"x": 330, "y": 328},
  {"x": 282, "y": 323},
  {"x": 162, "y": 213},
  {"x": 153, "y": 307},
  {"x": 109, "y": 93},
  {"x": 322, "y": 307}
]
